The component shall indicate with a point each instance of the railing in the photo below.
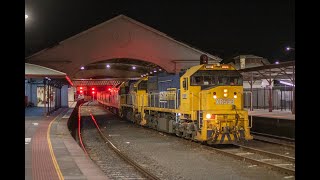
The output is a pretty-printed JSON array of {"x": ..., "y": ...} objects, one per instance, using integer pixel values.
[
  {"x": 282, "y": 98},
  {"x": 127, "y": 99}
]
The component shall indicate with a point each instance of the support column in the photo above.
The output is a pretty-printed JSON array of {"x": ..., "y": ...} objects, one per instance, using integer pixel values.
[
  {"x": 251, "y": 90},
  {"x": 44, "y": 97},
  {"x": 264, "y": 97},
  {"x": 281, "y": 99},
  {"x": 48, "y": 87},
  {"x": 294, "y": 93},
  {"x": 270, "y": 92},
  {"x": 270, "y": 98}
]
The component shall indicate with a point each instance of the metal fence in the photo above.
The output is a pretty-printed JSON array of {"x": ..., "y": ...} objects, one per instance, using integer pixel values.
[{"x": 282, "y": 98}]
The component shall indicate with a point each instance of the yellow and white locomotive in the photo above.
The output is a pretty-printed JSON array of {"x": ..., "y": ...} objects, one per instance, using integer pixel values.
[{"x": 203, "y": 103}]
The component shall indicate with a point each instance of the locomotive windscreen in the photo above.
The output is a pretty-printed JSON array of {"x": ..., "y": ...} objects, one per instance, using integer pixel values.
[{"x": 216, "y": 78}]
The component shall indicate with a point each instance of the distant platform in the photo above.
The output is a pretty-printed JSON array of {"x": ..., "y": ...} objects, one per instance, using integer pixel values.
[
  {"x": 276, "y": 114},
  {"x": 277, "y": 123},
  {"x": 72, "y": 104}
]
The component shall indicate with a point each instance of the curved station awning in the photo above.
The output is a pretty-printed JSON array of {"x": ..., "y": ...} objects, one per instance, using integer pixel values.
[
  {"x": 33, "y": 71},
  {"x": 119, "y": 48}
]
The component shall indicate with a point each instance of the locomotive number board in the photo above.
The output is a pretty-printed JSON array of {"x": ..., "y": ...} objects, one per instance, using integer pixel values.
[{"x": 224, "y": 101}]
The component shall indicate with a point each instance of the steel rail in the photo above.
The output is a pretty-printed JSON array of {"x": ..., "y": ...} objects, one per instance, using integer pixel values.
[
  {"x": 139, "y": 168},
  {"x": 257, "y": 162}
]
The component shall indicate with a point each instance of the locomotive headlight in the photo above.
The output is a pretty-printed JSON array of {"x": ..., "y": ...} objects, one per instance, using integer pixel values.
[
  {"x": 225, "y": 90},
  {"x": 208, "y": 116},
  {"x": 235, "y": 96},
  {"x": 179, "y": 114},
  {"x": 225, "y": 94},
  {"x": 214, "y": 95}
]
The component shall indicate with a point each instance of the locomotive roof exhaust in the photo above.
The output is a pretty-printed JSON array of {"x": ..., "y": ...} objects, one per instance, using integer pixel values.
[{"x": 203, "y": 59}]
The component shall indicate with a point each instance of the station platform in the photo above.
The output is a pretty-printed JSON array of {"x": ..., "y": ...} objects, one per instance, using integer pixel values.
[
  {"x": 276, "y": 123},
  {"x": 50, "y": 150},
  {"x": 277, "y": 114}
]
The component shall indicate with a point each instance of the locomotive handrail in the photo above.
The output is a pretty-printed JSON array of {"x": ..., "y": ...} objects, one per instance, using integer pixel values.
[
  {"x": 178, "y": 95},
  {"x": 250, "y": 123},
  {"x": 175, "y": 98},
  {"x": 192, "y": 103}
]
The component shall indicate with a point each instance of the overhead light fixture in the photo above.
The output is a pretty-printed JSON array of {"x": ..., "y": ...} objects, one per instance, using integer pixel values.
[
  {"x": 288, "y": 48},
  {"x": 154, "y": 71},
  {"x": 82, "y": 68},
  {"x": 160, "y": 69},
  {"x": 133, "y": 67},
  {"x": 286, "y": 83},
  {"x": 108, "y": 66}
]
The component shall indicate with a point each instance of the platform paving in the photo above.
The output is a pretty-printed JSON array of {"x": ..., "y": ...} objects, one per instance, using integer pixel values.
[
  {"x": 72, "y": 162},
  {"x": 278, "y": 114}
]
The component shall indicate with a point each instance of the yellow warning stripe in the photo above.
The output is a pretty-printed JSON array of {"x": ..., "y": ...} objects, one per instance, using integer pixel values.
[{"x": 52, "y": 154}]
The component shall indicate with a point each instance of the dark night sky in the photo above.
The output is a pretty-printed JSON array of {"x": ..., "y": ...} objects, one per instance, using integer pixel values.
[{"x": 222, "y": 28}]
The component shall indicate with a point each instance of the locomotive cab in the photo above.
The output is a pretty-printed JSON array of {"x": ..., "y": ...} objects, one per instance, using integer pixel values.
[{"x": 212, "y": 94}]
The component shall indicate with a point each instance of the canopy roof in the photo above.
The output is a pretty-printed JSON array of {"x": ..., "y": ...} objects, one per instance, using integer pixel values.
[{"x": 123, "y": 41}]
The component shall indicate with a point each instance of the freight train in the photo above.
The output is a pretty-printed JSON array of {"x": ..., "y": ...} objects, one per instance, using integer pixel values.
[{"x": 203, "y": 103}]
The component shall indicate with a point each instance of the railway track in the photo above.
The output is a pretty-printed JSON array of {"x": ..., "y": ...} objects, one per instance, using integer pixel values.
[
  {"x": 281, "y": 141},
  {"x": 274, "y": 161},
  {"x": 112, "y": 162}
]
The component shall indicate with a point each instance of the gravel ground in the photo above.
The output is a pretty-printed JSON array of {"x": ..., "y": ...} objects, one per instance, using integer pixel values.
[
  {"x": 110, "y": 163},
  {"x": 282, "y": 150},
  {"x": 170, "y": 157}
]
